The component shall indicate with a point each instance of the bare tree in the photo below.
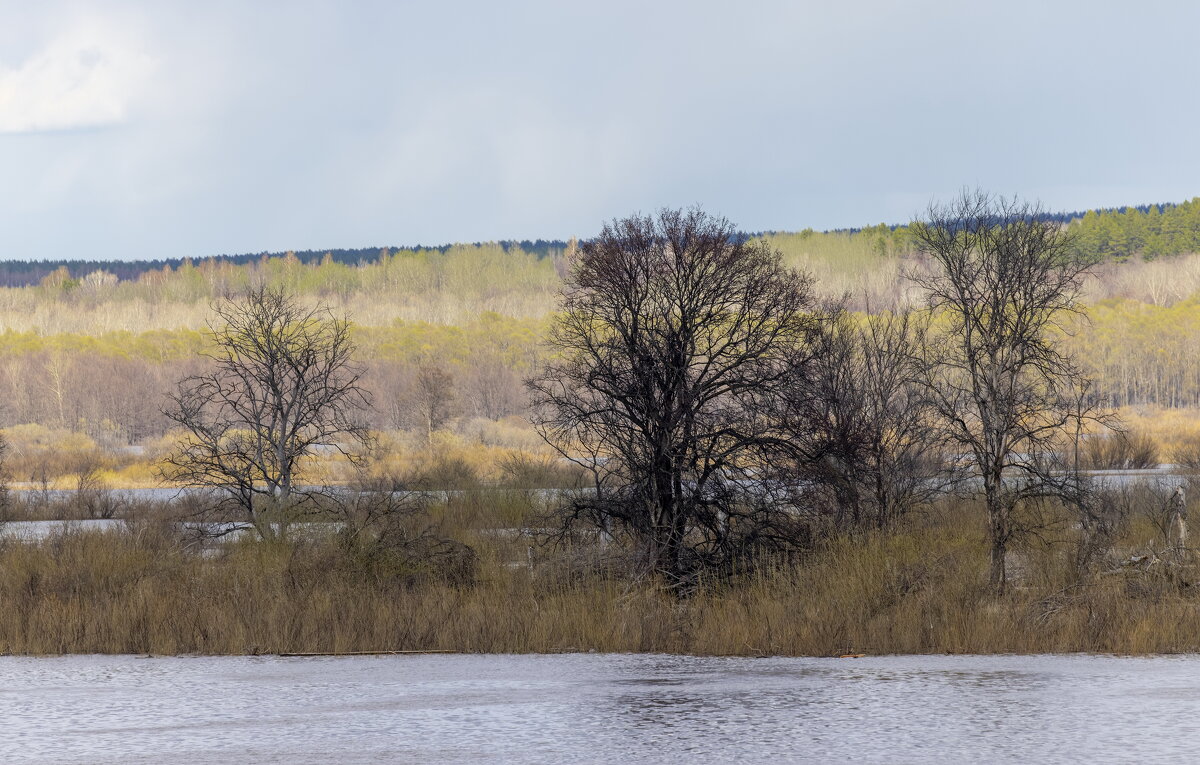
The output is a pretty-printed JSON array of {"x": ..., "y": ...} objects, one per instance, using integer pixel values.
[
  {"x": 674, "y": 335},
  {"x": 492, "y": 388},
  {"x": 864, "y": 422},
  {"x": 282, "y": 388},
  {"x": 390, "y": 533},
  {"x": 1001, "y": 281},
  {"x": 58, "y": 369},
  {"x": 432, "y": 399},
  {"x": 92, "y": 496}
]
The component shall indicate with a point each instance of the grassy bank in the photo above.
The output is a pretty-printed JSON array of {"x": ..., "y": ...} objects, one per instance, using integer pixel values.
[{"x": 146, "y": 588}]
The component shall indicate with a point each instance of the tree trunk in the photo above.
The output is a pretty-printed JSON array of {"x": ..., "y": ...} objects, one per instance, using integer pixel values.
[
  {"x": 666, "y": 547},
  {"x": 998, "y": 527}
]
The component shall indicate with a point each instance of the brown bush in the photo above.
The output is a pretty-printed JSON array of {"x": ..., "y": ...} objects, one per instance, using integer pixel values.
[
  {"x": 1186, "y": 453},
  {"x": 1125, "y": 450}
]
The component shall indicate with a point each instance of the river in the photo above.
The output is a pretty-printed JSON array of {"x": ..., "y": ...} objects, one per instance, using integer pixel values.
[{"x": 598, "y": 708}]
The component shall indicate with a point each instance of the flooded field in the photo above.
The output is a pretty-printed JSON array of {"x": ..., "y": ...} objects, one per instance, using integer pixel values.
[{"x": 591, "y": 708}]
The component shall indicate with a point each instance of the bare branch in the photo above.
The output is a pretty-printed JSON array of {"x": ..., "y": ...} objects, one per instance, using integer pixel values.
[
  {"x": 675, "y": 334},
  {"x": 282, "y": 389}
]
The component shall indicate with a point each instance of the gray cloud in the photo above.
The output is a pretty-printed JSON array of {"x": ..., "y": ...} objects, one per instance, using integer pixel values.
[{"x": 159, "y": 129}]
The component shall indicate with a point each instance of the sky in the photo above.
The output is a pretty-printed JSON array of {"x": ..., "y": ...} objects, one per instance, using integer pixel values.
[{"x": 137, "y": 130}]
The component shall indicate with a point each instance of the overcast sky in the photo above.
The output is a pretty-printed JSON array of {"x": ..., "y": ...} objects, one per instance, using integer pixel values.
[{"x": 153, "y": 129}]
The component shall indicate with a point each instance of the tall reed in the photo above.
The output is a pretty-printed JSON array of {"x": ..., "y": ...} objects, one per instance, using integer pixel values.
[{"x": 147, "y": 589}]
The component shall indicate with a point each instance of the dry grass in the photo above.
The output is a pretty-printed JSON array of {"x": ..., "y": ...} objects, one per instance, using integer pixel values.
[
  {"x": 922, "y": 590},
  {"x": 476, "y": 451},
  {"x": 1173, "y": 430}
]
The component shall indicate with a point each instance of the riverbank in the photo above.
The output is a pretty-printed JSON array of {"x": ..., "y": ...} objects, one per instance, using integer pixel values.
[{"x": 146, "y": 587}]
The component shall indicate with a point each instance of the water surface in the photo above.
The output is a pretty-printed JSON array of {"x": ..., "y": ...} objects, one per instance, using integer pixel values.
[{"x": 596, "y": 707}]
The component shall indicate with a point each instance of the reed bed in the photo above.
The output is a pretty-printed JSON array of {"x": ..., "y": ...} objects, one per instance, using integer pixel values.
[{"x": 146, "y": 588}]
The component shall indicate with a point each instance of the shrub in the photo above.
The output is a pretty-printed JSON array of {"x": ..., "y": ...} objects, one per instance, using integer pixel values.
[
  {"x": 444, "y": 472},
  {"x": 1125, "y": 450},
  {"x": 1186, "y": 453},
  {"x": 521, "y": 470}
]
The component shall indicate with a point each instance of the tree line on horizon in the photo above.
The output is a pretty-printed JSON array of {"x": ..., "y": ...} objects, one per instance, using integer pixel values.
[
  {"x": 69, "y": 273},
  {"x": 1119, "y": 233}
]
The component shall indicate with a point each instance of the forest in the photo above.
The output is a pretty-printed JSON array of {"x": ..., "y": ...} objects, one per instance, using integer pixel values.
[{"x": 88, "y": 356}]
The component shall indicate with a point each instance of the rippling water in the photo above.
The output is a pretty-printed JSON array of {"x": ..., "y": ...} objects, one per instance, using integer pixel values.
[{"x": 593, "y": 708}]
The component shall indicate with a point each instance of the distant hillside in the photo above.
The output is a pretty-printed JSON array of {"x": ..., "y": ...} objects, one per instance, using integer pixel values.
[
  {"x": 21, "y": 273},
  {"x": 1148, "y": 231}
]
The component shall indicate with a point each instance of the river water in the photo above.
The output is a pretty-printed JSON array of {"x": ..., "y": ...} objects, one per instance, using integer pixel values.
[{"x": 598, "y": 708}]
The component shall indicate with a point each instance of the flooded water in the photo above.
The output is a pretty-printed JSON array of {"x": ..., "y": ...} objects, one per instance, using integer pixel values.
[
  {"x": 33, "y": 531},
  {"x": 598, "y": 708}
]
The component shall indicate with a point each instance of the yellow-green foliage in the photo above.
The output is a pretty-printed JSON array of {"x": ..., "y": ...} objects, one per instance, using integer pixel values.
[
  {"x": 451, "y": 287},
  {"x": 510, "y": 340},
  {"x": 514, "y": 341},
  {"x": 156, "y": 345},
  {"x": 840, "y": 251},
  {"x": 1141, "y": 353},
  {"x": 98, "y": 356}
]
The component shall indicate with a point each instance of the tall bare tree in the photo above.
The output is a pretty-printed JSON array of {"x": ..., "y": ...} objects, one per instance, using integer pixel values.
[
  {"x": 282, "y": 387},
  {"x": 675, "y": 332},
  {"x": 1001, "y": 280}
]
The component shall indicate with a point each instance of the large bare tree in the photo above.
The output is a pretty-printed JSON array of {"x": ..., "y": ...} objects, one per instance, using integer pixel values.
[
  {"x": 282, "y": 387},
  {"x": 1001, "y": 280},
  {"x": 675, "y": 333}
]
